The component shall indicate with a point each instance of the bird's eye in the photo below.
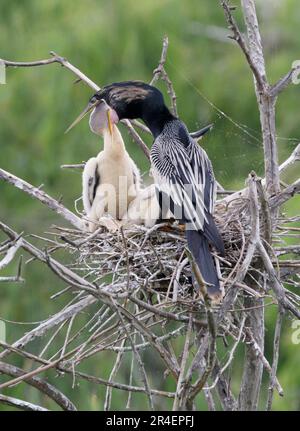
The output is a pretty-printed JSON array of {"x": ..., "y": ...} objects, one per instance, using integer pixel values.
[{"x": 93, "y": 99}]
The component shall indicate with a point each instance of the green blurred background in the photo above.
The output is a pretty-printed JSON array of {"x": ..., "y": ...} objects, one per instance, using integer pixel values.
[{"x": 120, "y": 40}]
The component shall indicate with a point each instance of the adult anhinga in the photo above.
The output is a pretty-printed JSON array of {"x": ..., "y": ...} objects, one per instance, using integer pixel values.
[
  {"x": 181, "y": 169},
  {"x": 110, "y": 181}
]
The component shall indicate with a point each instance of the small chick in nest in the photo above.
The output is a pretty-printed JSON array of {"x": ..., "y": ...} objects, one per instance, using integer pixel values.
[{"x": 111, "y": 183}]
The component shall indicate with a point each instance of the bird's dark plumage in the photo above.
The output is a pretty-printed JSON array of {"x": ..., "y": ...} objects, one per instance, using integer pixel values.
[
  {"x": 181, "y": 169},
  {"x": 136, "y": 99}
]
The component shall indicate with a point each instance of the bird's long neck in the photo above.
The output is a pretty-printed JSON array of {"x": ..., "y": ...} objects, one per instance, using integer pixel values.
[
  {"x": 157, "y": 118},
  {"x": 113, "y": 142}
]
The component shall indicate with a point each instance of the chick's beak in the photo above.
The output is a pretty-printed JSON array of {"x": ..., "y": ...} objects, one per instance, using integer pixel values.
[
  {"x": 89, "y": 107},
  {"x": 110, "y": 126}
]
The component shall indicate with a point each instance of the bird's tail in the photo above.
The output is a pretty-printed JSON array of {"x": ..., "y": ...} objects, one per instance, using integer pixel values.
[{"x": 199, "y": 247}]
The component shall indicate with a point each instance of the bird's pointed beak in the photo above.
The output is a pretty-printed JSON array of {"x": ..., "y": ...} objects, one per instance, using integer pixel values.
[
  {"x": 110, "y": 126},
  {"x": 89, "y": 107}
]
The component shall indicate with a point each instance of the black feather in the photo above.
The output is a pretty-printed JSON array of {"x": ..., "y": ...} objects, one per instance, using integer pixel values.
[
  {"x": 97, "y": 182},
  {"x": 212, "y": 234},
  {"x": 199, "y": 247},
  {"x": 201, "y": 132}
]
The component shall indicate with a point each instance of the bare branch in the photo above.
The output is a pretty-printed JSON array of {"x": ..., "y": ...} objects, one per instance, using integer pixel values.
[
  {"x": 82, "y": 77},
  {"x": 264, "y": 361},
  {"x": 293, "y": 158},
  {"x": 178, "y": 401},
  {"x": 230, "y": 356},
  {"x": 226, "y": 397},
  {"x": 10, "y": 254},
  {"x": 136, "y": 137},
  {"x": 285, "y": 195},
  {"x": 277, "y": 287},
  {"x": 266, "y": 103},
  {"x": 76, "y": 166},
  {"x": 138, "y": 359},
  {"x": 253, "y": 367},
  {"x": 284, "y": 82},
  {"x": 42, "y": 197},
  {"x": 20, "y": 404},
  {"x": 257, "y": 71},
  {"x": 55, "y": 59},
  {"x": 160, "y": 72},
  {"x": 276, "y": 346},
  {"x": 40, "y": 384}
]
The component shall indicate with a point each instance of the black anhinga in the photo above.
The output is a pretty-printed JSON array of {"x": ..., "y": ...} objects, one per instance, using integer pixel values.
[{"x": 181, "y": 168}]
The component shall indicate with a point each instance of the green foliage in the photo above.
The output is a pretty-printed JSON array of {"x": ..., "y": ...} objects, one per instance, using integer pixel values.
[{"x": 112, "y": 41}]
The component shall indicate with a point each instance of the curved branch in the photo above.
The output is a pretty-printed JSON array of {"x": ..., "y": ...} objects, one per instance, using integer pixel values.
[
  {"x": 285, "y": 195},
  {"x": 43, "y": 197},
  {"x": 40, "y": 384},
  {"x": 21, "y": 405}
]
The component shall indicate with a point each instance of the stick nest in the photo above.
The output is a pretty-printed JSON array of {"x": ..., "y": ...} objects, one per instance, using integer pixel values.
[{"x": 153, "y": 260}]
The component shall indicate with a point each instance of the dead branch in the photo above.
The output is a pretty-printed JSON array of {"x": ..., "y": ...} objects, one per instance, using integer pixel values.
[
  {"x": 20, "y": 404},
  {"x": 40, "y": 384},
  {"x": 42, "y": 197},
  {"x": 284, "y": 82},
  {"x": 293, "y": 158},
  {"x": 226, "y": 397},
  {"x": 54, "y": 59},
  {"x": 160, "y": 72},
  {"x": 266, "y": 102},
  {"x": 285, "y": 195},
  {"x": 276, "y": 345},
  {"x": 257, "y": 67}
]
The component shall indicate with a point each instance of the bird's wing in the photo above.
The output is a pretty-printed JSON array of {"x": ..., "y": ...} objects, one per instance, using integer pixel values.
[
  {"x": 90, "y": 181},
  {"x": 187, "y": 185},
  {"x": 136, "y": 175},
  {"x": 186, "y": 180},
  {"x": 204, "y": 175},
  {"x": 200, "y": 158}
]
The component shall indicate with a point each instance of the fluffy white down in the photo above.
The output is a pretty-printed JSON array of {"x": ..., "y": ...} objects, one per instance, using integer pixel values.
[
  {"x": 118, "y": 181},
  {"x": 144, "y": 209}
]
